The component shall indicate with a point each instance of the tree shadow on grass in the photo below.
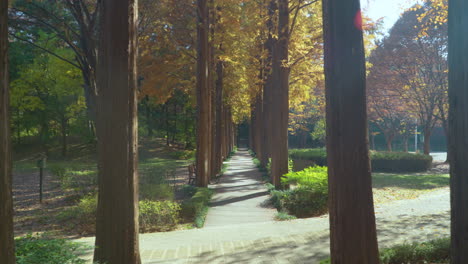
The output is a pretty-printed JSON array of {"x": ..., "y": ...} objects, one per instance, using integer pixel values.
[{"x": 410, "y": 181}]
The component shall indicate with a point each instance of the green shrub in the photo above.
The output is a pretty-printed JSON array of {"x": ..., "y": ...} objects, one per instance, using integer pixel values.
[
  {"x": 437, "y": 251},
  {"x": 158, "y": 215},
  {"x": 308, "y": 195},
  {"x": 197, "y": 206},
  {"x": 434, "y": 251},
  {"x": 318, "y": 156},
  {"x": 313, "y": 176},
  {"x": 400, "y": 162},
  {"x": 156, "y": 192},
  {"x": 189, "y": 190},
  {"x": 39, "y": 249},
  {"x": 302, "y": 201},
  {"x": 154, "y": 215},
  {"x": 82, "y": 215},
  {"x": 381, "y": 161}
]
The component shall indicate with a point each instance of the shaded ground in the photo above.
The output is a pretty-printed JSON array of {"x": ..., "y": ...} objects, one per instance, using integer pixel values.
[
  {"x": 240, "y": 196},
  {"x": 156, "y": 160}
]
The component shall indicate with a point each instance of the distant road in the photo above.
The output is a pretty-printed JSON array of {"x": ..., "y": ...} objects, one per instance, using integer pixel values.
[{"x": 439, "y": 156}]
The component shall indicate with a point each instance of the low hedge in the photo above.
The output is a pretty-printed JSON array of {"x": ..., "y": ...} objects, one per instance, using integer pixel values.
[
  {"x": 158, "y": 215},
  {"x": 308, "y": 194},
  {"x": 318, "y": 156},
  {"x": 197, "y": 206},
  {"x": 153, "y": 215},
  {"x": 400, "y": 162},
  {"x": 381, "y": 161}
]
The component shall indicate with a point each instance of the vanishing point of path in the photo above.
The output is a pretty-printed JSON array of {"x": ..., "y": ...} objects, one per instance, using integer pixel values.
[
  {"x": 240, "y": 195},
  {"x": 231, "y": 236}
]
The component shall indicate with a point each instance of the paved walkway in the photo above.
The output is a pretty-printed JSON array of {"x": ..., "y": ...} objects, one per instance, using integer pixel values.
[
  {"x": 297, "y": 241},
  {"x": 240, "y": 196}
]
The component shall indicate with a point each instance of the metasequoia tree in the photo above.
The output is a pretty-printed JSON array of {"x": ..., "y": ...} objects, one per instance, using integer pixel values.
[
  {"x": 458, "y": 127},
  {"x": 7, "y": 251},
  {"x": 117, "y": 213},
  {"x": 353, "y": 237},
  {"x": 203, "y": 158},
  {"x": 280, "y": 87}
]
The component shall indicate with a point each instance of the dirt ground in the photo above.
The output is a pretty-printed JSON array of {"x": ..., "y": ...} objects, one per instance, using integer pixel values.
[{"x": 31, "y": 216}]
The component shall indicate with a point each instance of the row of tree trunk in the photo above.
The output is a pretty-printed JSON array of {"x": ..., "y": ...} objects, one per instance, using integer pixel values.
[
  {"x": 352, "y": 223},
  {"x": 215, "y": 127},
  {"x": 270, "y": 109},
  {"x": 7, "y": 250}
]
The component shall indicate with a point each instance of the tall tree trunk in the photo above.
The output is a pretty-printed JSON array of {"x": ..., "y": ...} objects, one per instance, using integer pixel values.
[
  {"x": 268, "y": 87},
  {"x": 389, "y": 140},
  {"x": 427, "y": 140},
  {"x": 279, "y": 156},
  {"x": 117, "y": 216},
  {"x": 186, "y": 130},
  {"x": 258, "y": 126},
  {"x": 405, "y": 144},
  {"x": 174, "y": 131},
  {"x": 7, "y": 245},
  {"x": 166, "y": 120},
  {"x": 148, "y": 117},
  {"x": 211, "y": 80},
  {"x": 252, "y": 127},
  {"x": 203, "y": 97},
  {"x": 353, "y": 237},
  {"x": 18, "y": 127},
  {"x": 458, "y": 128},
  {"x": 219, "y": 107}
]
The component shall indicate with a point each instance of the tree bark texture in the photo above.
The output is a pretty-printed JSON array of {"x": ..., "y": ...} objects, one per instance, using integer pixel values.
[
  {"x": 427, "y": 140},
  {"x": 117, "y": 217},
  {"x": 268, "y": 90},
  {"x": 219, "y": 109},
  {"x": 458, "y": 128},
  {"x": 353, "y": 237},
  {"x": 7, "y": 245},
  {"x": 203, "y": 97},
  {"x": 279, "y": 157},
  {"x": 258, "y": 126}
]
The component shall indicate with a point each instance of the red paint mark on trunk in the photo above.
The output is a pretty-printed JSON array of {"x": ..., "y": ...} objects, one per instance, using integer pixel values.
[{"x": 358, "y": 20}]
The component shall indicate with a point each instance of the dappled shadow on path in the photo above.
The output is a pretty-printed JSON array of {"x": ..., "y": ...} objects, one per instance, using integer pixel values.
[
  {"x": 295, "y": 249},
  {"x": 413, "y": 228},
  {"x": 238, "y": 199},
  {"x": 312, "y": 247}
]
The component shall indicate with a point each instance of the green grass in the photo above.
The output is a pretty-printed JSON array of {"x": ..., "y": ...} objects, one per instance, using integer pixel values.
[
  {"x": 410, "y": 181},
  {"x": 40, "y": 249},
  {"x": 392, "y": 186}
]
